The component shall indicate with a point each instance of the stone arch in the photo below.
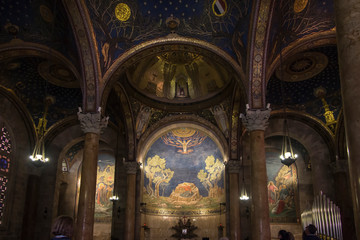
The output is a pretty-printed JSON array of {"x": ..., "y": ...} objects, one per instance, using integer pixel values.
[
  {"x": 108, "y": 143},
  {"x": 168, "y": 123},
  {"x": 19, "y": 126},
  {"x": 162, "y": 45},
  {"x": 18, "y": 49},
  {"x": 315, "y": 144},
  {"x": 89, "y": 59},
  {"x": 189, "y": 183}
]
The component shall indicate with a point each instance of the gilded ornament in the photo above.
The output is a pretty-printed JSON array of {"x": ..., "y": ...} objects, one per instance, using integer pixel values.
[
  {"x": 299, "y": 5},
  {"x": 259, "y": 50},
  {"x": 302, "y": 66},
  {"x": 122, "y": 12}
]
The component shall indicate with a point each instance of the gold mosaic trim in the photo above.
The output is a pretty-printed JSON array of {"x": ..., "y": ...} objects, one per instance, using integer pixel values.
[
  {"x": 258, "y": 60},
  {"x": 85, "y": 46}
]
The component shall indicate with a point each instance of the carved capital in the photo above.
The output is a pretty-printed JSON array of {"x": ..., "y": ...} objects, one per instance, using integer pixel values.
[
  {"x": 233, "y": 166},
  {"x": 92, "y": 122},
  {"x": 256, "y": 119},
  {"x": 131, "y": 167}
]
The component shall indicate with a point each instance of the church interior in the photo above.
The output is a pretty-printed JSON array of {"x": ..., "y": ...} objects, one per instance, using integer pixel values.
[{"x": 179, "y": 119}]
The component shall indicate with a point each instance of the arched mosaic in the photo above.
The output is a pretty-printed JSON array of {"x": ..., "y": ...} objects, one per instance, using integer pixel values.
[
  {"x": 283, "y": 181},
  {"x": 183, "y": 174},
  {"x": 104, "y": 187}
]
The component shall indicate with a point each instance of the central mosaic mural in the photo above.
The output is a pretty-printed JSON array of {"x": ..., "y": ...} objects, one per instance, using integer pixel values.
[{"x": 183, "y": 174}]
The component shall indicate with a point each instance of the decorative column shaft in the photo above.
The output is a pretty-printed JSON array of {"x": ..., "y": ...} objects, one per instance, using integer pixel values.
[
  {"x": 343, "y": 198},
  {"x": 92, "y": 125},
  {"x": 255, "y": 122},
  {"x": 233, "y": 167},
  {"x": 131, "y": 169},
  {"x": 347, "y": 13}
]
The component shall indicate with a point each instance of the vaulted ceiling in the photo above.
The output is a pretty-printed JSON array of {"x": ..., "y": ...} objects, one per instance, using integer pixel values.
[{"x": 303, "y": 31}]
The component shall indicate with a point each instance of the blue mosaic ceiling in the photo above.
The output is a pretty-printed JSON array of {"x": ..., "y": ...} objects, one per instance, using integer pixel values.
[
  {"x": 300, "y": 95},
  {"x": 294, "y": 19},
  {"x": 38, "y": 21},
  {"x": 23, "y": 78},
  {"x": 146, "y": 20}
]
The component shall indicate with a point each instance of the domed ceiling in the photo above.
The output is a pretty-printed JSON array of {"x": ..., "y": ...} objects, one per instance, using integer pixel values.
[
  {"x": 121, "y": 26},
  {"x": 31, "y": 79},
  {"x": 297, "y": 19},
  {"x": 310, "y": 84},
  {"x": 178, "y": 77},
  {"x": 38, "y": 21}
]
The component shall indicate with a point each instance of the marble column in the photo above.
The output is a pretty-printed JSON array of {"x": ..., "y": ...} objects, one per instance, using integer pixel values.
[
  {"x": 347, "y": 14},
  {"x": 255, "y": 121},
  {"x": 343, "y": 198},
  {"x": 92, "y": 125},
  {"x": 131, "y": 169},
  {"x": 233, "y": 167}
]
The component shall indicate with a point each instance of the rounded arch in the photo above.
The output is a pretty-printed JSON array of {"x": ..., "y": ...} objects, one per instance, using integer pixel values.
[
  {"x": 318, "y": 126},
  {"x": 25, "y": 115},
  {"x": 70, "y": 139},
  {"x": 18, "y": 48},
  {"x": 317, "y": 147},
  {"x": 21, "y": 49},
  {"x": 128, "y": 120},
  {"x": 191, "y": 121},
  {"x": 173, "y": 43},
  {"x": 14, "y": 117}
]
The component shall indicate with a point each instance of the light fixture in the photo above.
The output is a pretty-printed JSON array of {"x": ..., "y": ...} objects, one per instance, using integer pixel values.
[
  {"x": 243, "y": 194},
  {"x": 287, "y": 155},
  {"x": 38, "y": 154},
  {"x": 114, "y": 198}
]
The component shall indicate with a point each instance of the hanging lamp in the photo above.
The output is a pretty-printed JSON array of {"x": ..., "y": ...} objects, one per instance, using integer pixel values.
[
  {"x": 38, "y": 154},
  {"x": 287, "y": 154}
]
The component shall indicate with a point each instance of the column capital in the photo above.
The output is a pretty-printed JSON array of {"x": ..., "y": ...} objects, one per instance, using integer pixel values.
[
  {"x": 233, "y": 166},
  {"x": 131, "y": 167},
  {"x": 92, "y": 122},
  {"x": 256, "y": 119}
]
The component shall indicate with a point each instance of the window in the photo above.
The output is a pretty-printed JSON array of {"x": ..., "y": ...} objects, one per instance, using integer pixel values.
[{"x": 5, "y": 150}]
